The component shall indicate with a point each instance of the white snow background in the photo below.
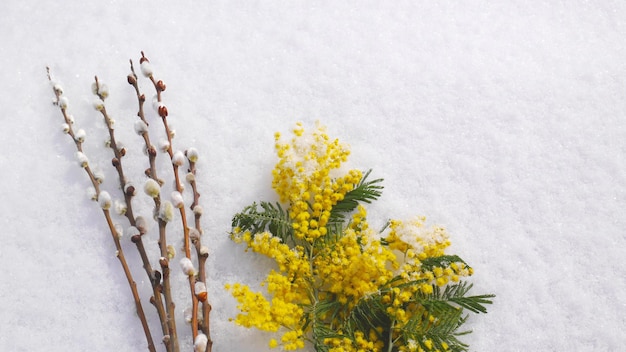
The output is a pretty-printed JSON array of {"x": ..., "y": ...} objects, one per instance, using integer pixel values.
[{"x": 504, "y": 121}]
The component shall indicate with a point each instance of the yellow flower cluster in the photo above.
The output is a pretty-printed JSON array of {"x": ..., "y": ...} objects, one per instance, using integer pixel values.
[
  {"x": 417, "y": 244},
  {"x": 288, "y": 288},
  {"x": 331, "y": 259},
  {"x": 302, "y": 177},
  {"x": 358, "y": 344},
  {"x": 413, "y": 346},
  {"x": 354, "y": 267}
]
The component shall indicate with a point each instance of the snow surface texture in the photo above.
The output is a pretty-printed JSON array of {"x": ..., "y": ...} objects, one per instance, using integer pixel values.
[{"x": 502, "y": 120}]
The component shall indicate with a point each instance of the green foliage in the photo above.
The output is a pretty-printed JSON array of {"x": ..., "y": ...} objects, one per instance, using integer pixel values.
[
  {"x": 267, "y": 216},
  {"x": 436, "y": 317},
  {"x": 453, "y": 297},
  {"x": 364, "y": 192},
  {"x": 270, "y": 217},
  {"x": 440, "y": 329},
  {"x": 447, "y": 307}
]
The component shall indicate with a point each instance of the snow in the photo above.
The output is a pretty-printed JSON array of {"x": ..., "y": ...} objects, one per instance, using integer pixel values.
[{"x": 503, "y": 121}]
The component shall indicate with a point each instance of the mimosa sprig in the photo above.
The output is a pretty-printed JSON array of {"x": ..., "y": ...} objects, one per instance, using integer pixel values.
[{"x": 340, "y": 285}]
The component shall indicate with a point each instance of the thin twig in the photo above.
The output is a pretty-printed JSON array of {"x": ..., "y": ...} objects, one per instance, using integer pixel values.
[
  {"x": 129, "y": 191},
  {"x": 150, "y": 149},
  {"x": 114, "y": 233},
  {"x": 164, "y": 261},
  {"x": 201, "y": 252},
  {"x": 159, "y": 86}
]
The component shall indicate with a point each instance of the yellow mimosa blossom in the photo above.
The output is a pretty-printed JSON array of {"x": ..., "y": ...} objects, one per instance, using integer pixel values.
[{"x": 337, "y": 283}]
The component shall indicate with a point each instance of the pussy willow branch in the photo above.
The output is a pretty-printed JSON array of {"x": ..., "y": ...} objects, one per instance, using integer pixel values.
[
  {"x": 150, "y": 149},
  {"x": 159, "y": 86},
  {"x": 164, "y": 261},
  {"x": 171, "y": 339},
  {"x": 152, "y": 173},
  {"x": 129, "y": 191},
  {"x": 119, "y": 251},
  {"x": 202, "y": 255}
]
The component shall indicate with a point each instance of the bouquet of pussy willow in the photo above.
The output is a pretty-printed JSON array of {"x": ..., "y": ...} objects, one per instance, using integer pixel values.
[{"x": 339, "y": 285}]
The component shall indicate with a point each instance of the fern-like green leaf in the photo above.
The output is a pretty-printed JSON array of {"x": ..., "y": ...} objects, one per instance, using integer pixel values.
[
  {"x": 318, "y": 318},
  {"x": 446, "y": 307},
  {"x": 442, "y": 328},
  {"x": 369, "y": 314},
  {"x": 365, "y": 191},
  {"x": 270, "y": 217},
  {"x": 454, "y": 296}
]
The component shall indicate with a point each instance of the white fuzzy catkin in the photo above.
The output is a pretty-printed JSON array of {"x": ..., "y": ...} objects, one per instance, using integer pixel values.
[
  {"x": 98, "y": 104},
  {"x": 142, "y": 224},
  {"x": 141, "y": 127},
  {"x": 199, "y": 344},
  {"x": 119, "y": 230},
  {"x": 58, "y": 88},
  {"x": 199, "y": 287},
  {"x": 177, "y": 200},
  {"x": 200, "y": 291},
  {"x": 127, "y": 187},
  {"x": 104, "y": 200},
  {"x": 192, "y": 154},
  {"x": 98, "y": 174},
  {"x": 166, "y": 213},
  {"x": 63, "y": 102},
  {"x": 92, "y": 194},
  {"x": 103, "y": 91},
  {"x": 66, "y": 128},
  {"x": 132, "y": 231},
  {"x": 146, "y": 68},
  {"x": 164, "y": 145},
  {"x": 120, "y": 207},
  {"x": 194, "y": 234},
  {"x": 204, "y": 250},
  {"x": 187, "y": 266},
  {"x": 152, "y": 188},
  {"x": 94, "y": 88},
  {"x": 171, "y": 252},
  {"x": 80, "y": 135},
  {"x": 188, "y": 314},
  {"x": 178, "y": 158},
  {"x": 190, "y": 177},
  {"x": 83, "y": 161}
]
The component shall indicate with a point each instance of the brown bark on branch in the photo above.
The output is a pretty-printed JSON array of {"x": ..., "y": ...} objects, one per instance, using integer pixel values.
[
  {"x": 128, "y": 193},
  {"x": 119, "y": 251},
  {"x": 161, "y": 298}
]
